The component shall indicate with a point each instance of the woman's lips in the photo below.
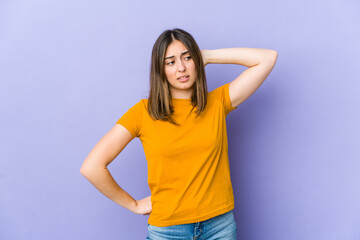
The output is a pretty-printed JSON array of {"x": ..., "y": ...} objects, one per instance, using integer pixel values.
[{"x": 184, "y": 79}]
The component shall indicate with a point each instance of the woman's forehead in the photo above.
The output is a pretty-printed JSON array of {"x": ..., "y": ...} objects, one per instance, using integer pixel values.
[{"x": 176, "y": 47}]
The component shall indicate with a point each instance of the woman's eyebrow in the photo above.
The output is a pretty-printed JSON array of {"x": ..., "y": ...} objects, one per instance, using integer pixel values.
[{"x": 181, "y": 55}]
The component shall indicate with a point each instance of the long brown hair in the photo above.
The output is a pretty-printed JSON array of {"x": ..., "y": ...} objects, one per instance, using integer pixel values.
[{"x": 159, "y": 102}]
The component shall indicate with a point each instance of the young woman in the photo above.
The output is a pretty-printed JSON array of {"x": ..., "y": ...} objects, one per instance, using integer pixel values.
[{"x": 183, "y": 131}]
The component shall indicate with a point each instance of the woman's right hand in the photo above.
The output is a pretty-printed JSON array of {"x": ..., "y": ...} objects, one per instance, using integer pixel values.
[{"x": 143, "y": 206}]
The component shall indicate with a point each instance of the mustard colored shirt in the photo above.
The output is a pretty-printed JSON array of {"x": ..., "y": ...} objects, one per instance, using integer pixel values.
[{"x": 188, "y": 165}]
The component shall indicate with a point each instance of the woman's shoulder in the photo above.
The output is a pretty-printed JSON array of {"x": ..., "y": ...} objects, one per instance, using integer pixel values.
[
  {"x": 143, "y": 103},
  {"x": 219, "y": 90}
]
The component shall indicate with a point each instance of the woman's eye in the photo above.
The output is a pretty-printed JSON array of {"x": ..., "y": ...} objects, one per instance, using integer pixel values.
[{"x": 170, "y": 63}]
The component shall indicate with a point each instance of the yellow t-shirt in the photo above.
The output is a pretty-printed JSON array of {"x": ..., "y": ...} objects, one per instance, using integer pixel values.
[{"x": 188, "y": 165}]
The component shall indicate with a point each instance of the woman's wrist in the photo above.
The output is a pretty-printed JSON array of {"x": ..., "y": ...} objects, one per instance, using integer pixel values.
[{"x": 205, "y": 56}]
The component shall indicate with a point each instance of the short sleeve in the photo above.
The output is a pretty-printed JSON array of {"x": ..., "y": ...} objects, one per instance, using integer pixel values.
[
  {"x": 222, "y": 93},
  {"x": 131, "y": 119}
]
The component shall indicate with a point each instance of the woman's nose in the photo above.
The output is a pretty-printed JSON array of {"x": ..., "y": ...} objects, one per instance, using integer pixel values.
[{"x": 181, "y": 66}]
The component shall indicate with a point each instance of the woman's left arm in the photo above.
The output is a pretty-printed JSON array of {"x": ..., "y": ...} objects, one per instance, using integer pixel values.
[{"x": 259, "y": 61}]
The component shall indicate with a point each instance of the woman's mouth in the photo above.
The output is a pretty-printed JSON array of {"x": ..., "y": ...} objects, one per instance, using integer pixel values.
[{"x": 184, "y": 79}]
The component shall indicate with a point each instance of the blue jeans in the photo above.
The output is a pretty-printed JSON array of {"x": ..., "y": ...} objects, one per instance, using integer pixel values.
[{"x": 220, "y": 227}]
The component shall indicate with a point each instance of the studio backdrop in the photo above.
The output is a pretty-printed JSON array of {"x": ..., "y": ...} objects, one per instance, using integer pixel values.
[{"x": 70, "y": 69}]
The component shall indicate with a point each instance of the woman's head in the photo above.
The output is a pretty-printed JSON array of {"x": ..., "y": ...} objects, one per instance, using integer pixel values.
[
  {"x": 179, "y": 63},
  {"x": 174, "y": 54}
]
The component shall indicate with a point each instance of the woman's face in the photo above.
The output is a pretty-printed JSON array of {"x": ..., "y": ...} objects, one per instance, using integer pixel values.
[{"x": 178, "y": 62}]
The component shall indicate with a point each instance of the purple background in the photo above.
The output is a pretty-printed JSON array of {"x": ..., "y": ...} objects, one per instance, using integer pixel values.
[{"x": 70, "y": 69}]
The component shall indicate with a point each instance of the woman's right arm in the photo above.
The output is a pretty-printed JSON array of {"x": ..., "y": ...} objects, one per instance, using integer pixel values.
[{"x": 94, "y": 169}]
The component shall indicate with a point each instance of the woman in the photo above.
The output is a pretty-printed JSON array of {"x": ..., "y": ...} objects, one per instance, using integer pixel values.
[{"x": 183, "y": 131}]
